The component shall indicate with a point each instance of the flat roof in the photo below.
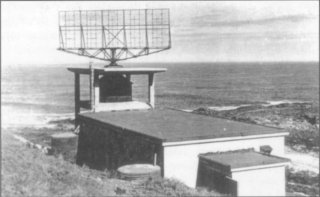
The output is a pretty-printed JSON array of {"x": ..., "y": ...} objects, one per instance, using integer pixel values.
[
  {"x": 172, "y": 126},
  {"x": 121, "y": 70},
  {"x": 242, "y": 158}
]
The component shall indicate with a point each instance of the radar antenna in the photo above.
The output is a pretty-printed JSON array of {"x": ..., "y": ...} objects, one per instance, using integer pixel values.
[{"x": 114, "y": 35}]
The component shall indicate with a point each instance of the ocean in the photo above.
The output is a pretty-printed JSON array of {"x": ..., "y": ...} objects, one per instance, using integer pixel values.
[{"x": 29, "y": 93}]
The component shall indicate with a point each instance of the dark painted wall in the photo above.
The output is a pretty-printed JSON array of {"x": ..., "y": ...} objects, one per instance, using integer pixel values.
[
  {"x": 216, "y": 180},
  {"x": 102, "y": 146}
]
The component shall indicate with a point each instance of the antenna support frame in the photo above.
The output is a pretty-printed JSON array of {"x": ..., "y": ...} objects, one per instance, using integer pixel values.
[{"x": 114, "y": 35}]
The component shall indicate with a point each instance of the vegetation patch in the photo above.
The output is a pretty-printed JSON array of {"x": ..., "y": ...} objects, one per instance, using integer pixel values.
[
  {"x": 308, "y": 139},
  {"x": 171, "y": 187},
  {"x": 305, "y": 182},
  {"x": 40, "y": 136}
]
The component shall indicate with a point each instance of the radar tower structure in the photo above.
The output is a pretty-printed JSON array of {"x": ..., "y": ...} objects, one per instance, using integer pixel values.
[{"x": 114, "y": 35}]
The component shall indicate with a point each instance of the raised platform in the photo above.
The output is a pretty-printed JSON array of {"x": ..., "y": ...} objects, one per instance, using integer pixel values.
[
  {"x": 118, "y": 106},
  {"x": 168, "y": 125},
  {"x": 102, "y": 102},
  {"x": 121, "y": 70}
]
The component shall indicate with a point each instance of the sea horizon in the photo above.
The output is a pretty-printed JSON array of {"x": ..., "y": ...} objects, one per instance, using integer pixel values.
[
  {"x": 160, "y": 62},
  {"x": 49, "y": 89}
]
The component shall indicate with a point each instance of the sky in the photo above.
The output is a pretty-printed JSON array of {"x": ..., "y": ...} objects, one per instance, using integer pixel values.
[{"x": 202, "y": 31}]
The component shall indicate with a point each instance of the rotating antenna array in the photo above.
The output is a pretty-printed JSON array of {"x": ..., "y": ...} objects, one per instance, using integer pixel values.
[{"x": 114, "y": 35}]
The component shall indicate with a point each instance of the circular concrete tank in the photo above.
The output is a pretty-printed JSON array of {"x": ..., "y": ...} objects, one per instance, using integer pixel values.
[{"x": 139, "y": 171}]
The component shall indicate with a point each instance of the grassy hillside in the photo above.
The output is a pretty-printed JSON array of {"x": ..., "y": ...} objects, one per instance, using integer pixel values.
[{"x": 28, "y": 172}]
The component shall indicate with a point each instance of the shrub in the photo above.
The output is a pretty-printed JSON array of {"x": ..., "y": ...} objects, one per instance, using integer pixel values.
[
  {"x": 170, "y": 187},
  {"x": 309, "y": 138},
  {"x": 303, "y": 182}
]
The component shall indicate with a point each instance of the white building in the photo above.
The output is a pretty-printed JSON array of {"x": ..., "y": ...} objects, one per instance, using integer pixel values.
[
  {"x": 173, "y": 138},
  {"x": 243, "y": 173},
  {"x": 118, "y": 130}
]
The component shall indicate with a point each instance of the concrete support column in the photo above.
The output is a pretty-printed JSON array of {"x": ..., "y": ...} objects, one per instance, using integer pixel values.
[
  {"x": 91, "y": 88},
  {"x": 76, "y": 97},
  {"x": 96, "y": 93},
  {"x": 151, "y": 90}
]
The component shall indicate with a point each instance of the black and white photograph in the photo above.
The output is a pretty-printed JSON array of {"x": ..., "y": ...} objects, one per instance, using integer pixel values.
[{"x": 159, "y": 98}]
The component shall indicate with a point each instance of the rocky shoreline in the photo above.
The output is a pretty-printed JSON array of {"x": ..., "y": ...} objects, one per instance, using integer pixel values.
[{"x": 300, "y": 119}]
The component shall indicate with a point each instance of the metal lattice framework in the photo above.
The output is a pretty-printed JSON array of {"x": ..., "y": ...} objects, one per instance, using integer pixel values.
[{"x": 114, "y": 35}]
